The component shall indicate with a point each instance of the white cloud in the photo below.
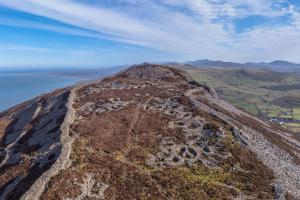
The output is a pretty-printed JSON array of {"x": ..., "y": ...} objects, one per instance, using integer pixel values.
[
  {"x": 192, "y": 28},
  {"x": 296, "y": 16}
]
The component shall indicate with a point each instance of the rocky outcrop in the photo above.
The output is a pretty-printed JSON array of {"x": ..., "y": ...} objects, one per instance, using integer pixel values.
[
  {"x": 154, "y": 72},
  {"x": 149, "y": 132},
  {"x": 63, "y": 159},
  {"x": 31, "y": 143}
]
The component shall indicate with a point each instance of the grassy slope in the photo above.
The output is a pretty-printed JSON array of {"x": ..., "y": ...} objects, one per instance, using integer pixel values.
[{"x": 250, "y": 90}]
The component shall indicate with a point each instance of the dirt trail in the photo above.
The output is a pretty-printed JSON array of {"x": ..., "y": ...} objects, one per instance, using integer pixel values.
[{"x": 63, "y": 160}]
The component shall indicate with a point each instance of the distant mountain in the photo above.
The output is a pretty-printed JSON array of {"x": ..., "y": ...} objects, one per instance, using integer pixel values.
[
  {"x": 211, "y": 63},
  {"x": 277, "y": 65},
  {"x": 274, "y": 63}
]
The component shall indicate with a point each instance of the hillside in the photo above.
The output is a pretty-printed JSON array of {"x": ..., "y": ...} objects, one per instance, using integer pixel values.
[
  {"x": 274, "y": 96},
  {"x": 148, "y": 132}
]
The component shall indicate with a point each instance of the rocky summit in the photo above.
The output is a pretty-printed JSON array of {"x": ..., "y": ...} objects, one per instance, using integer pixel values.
[{"x": 148, "y": 132}]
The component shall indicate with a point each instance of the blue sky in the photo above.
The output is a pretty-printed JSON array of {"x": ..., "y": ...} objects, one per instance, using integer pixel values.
[{"x": 87, "y": 33}]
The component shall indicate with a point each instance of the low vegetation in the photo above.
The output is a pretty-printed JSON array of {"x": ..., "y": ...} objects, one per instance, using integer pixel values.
[
  {"x": 147, "y": 133},
  {"x": 272, "y": 95}
]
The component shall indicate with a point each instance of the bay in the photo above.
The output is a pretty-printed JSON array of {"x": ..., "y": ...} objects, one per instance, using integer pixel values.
[{"x": 18, "y": 87}]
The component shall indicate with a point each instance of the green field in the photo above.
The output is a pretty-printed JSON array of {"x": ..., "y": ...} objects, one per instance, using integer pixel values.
[
  {"x": 261, "y": 92},
  {"x": 296, "y": 113}
]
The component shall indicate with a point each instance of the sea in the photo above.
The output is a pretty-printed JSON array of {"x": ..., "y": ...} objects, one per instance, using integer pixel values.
[{"x": 19, "y": 86}]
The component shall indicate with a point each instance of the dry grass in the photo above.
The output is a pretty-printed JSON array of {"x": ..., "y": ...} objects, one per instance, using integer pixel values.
[
  {"x": 114, "y": 147},
  {"x": 3, "y": 126}
]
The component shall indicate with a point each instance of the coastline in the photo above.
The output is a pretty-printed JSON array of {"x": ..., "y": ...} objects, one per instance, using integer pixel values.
[{"x": 19, "y": 86}]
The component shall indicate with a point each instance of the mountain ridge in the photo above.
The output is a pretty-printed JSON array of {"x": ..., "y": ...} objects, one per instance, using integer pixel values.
[
  {"x": 278, "y": 65},
  {"x": 148, "y": 132}
]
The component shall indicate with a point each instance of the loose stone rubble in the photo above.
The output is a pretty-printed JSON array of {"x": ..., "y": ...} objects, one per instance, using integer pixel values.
[
  {"x": 91, "y": 189},
  {"x": 104, "y": 106}
]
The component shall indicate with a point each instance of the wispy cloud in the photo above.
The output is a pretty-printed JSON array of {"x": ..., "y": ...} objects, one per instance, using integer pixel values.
[
  {"x": 6, "y": 47},
  {"x": 192, "y": 28}
]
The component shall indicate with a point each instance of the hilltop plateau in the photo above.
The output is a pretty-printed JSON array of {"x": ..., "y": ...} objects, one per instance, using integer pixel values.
[{"x": 148, "y": 132}]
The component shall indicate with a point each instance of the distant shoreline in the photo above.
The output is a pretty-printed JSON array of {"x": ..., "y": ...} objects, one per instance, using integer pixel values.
[{"x": 19, "y": 86}]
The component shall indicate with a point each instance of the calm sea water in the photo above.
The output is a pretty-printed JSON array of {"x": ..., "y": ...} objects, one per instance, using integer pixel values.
[{"x": 18, "y": 87}]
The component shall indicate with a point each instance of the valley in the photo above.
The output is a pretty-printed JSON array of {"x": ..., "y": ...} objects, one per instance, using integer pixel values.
[{"x": 271, "y": 95}]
